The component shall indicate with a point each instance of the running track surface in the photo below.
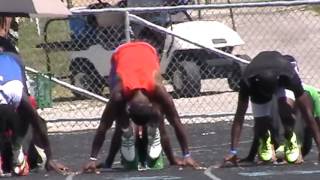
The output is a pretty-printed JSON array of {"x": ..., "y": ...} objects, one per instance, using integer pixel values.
[{"x": 208, "y": 144}]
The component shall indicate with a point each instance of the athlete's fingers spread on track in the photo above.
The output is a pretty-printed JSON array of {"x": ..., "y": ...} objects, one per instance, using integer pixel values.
[
  {"x": 90, "y": 167},
  {"x": 192, "y": 163},
  {"x": 230, "y": 160},
  {"x": 176, "y": 162},
  {"x": 58, "y": 167}
]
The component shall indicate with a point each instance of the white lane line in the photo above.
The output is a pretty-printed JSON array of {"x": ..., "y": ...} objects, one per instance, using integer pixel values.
[
  {"x": 71, "y": 175},
  {"x": 208, "y": 172},
  {"x": 273, "y": 173},
  {"x": 150, "y": 178}
]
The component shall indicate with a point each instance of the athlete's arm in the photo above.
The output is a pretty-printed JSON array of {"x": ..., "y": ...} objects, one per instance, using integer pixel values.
[
  {"x": 39, "y": 133},
  {"x": 106, "y": 122},
  {"x": 166, "y": 145},
  {"x": 169, "y": 109},
  {"x": 115, "y": 145},
  {"x": 167, "y": 105},
  {"x": 305, "y": 105},
  {"x": 315, "y": 97},
  {"x": 253, "y": 150},
  {"x": 243, "y": 101},
  {"x": 113, "y": 110},
  {"x": 318, "y": 121},
  {"x": 107, "y": 119},
  {"x": 29, "y": 113}
]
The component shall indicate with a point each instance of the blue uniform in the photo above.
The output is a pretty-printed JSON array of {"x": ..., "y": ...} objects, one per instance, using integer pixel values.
[
  {"x": 10, "y": 69},
  {"x": 11, "y": 79}
]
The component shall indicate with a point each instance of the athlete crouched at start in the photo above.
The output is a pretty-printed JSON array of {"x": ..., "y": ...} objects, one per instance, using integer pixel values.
[
  {"x": 138, "y": 96},
  {"x": 17, "y": 114}
]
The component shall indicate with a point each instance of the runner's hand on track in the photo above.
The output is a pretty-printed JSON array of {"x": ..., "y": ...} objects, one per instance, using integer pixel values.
[
  {"x": 188, "y": 161},
  {"x": 230, "y": 159},
  {"x": 90, "y": 167},
  {"x": 58, "y": 167}
]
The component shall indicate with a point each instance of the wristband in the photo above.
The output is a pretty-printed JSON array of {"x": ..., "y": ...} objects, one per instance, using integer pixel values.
[
  {"x": 233, "y": 152},
  {"x": 93, "y": 159},
  {"x": 187, "y": 155}
]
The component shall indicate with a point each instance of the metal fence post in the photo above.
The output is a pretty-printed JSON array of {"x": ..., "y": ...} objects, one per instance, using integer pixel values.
[{"x": 127, "y": 26}]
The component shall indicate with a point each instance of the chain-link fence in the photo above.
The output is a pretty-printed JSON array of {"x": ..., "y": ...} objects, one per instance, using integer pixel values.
[
  {"x": 77, "y": 3},
  {"x": 198, "y": 47}
]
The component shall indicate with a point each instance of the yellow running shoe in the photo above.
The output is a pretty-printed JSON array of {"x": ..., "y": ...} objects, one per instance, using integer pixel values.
[
  {"x": 292, "y": 149},
  {"x": 265, "y": 149}
]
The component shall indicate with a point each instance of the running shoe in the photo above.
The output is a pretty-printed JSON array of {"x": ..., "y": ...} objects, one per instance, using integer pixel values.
[
  {"x": 18, "y": 155},
  {"x": 128, "y": 144},
  {"x": 156, "y": 164},
  {"x": 129, "y": 165},
  {"x": 42, "y": 159},
  {"x": 265, "y": 150},
  {"x": 23, "y": 168},
  {"x": 154, "y": 143},
  {"x": 292, "y": 149}
]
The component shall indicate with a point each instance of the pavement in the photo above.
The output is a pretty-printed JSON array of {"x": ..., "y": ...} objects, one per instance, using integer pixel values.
[{"x": 209, "y": 142}]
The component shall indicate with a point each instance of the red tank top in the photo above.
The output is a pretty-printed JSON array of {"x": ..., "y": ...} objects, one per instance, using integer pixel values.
[{"x": 136, "y": 64}]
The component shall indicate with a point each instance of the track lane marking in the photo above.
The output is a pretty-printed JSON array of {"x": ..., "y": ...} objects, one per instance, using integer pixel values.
[
  {"x": 273, "y": 173},
  {"x": 208, "y": 172}
]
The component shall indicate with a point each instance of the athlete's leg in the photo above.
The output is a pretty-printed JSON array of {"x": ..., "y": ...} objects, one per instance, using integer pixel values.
[
  {"x": 29, "y": 115},
  {"x": 304, "y": 134},
  {"x": 7, "y": 114},
  {"x": 115, "y": 145},
  {"x": 262, "y": 132},
  {"x": 287, "y": 114},
  {"x": 141, "y": 144},
  {"x": 12, "y": 122},
  {"x": 11, "y": 94},
  {"x": 254, "y": 145},
  {"x": 36, "y": 155},
  {"x": 307, "y": 141}
]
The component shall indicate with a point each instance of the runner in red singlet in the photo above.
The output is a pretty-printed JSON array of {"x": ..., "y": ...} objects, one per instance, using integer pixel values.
[{"x": 137, "y": 94}]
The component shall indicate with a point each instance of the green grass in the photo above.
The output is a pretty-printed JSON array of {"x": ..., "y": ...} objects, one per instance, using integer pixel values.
[
  {"x": 37, "y": 58},
  {"x": 315, "y": 8}
]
